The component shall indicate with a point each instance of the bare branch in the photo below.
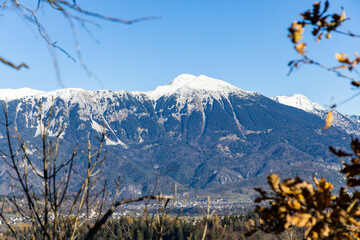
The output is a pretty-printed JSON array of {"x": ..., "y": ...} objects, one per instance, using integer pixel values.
[
  {"x": 108, "y": 214},
  {"x": 76, "y": 13},
  {"x": 12, "y": 65}
]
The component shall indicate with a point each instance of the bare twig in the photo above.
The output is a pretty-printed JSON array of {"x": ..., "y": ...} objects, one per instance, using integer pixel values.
[
  {"x": 12, "y": 65},
  {"x": 106, "y": 216},
  {"x": 71, "y": 12}
]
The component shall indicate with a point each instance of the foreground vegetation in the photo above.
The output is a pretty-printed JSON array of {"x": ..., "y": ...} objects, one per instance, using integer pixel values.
[
  {"x": 293, "y": 202},
  {"x": 227, "y": 227},
  {"x": 297, "y": 203}
]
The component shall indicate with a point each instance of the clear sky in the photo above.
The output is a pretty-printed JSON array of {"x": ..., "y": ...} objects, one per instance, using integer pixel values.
[{"x": 242, "y": 42}]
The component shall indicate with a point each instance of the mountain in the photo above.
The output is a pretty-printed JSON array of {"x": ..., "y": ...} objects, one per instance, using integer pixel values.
[
  {"x": 348, "y": 123},
  {"x": 202, "y": 133},
  {"x": 301, "y": 102}
]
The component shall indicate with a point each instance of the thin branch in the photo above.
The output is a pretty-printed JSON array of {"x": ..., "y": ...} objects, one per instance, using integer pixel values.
[
  {"x": 107, "y": 18},
  {"x": 306, "y": 60},
  {"x": 346, "y": 100},
  {"x": 347, "y": 33},
  {"x": 12, "y": 65},
  {"x": 97, "y": 226}
]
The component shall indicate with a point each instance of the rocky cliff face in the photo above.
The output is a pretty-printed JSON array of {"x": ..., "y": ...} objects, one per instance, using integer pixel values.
[{"x": 204, "y": 133}]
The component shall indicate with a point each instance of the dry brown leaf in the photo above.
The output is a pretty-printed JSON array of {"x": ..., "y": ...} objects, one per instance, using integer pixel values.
[
  {"x": 343, "y": 16},
  {"x": 300, "y": 48},
  {"x": 324, "y": 185},
  {"x": 355, "y": 83},
  {"x": 296, "y": 30},
  {"x": 251, "y": 223},
  {"x": 285, "y": 189},
  {"x": 341, "y": 67},
  {"x": 328, "y": 120},
  {"x": 301, "y": 219},
  {"x": 342, "y": 57},
  {"x": 325, "y": 231},
  {"x": 319, "y": 37},
  {"x": 282, "y": 209},
  {"x": 294, "y": 204},
  {"x": 274, "y": 181}
]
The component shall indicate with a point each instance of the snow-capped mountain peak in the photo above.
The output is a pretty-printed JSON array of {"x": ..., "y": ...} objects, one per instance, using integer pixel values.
[
  {"x": 301, "y": 102},
  {"x": 186, "y": 83},
  {"x": 349, "y": 124},
  {"x": 181, "y": 80}
]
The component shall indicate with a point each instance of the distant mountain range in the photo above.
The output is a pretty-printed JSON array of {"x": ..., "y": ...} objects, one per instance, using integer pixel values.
[{"x": 203, "y": 133}]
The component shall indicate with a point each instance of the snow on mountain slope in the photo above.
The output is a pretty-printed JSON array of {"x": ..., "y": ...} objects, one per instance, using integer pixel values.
[
  {"x": 301, "y": 102},
  {"x": 186, "y": 84},
  {"x": 11, "y": 94},
  {"x": 349, "y": 124},
  {"x": 96, "y": 107},
  {"x": 194, "y": 92},
  {"x": 211, "y": 132}
]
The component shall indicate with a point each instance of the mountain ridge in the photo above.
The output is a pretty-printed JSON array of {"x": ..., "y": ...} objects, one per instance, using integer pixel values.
[
  {"x": 213, "y": 141},
  {"x": 348, "y": 123},
  {"x": 179, "y": 85},
  {"x": 301, "y": 102},
  {"x": 182, "y": 82}
]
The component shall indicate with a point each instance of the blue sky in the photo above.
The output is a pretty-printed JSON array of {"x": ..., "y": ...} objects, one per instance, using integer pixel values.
[{"x": 242, "y": 42}]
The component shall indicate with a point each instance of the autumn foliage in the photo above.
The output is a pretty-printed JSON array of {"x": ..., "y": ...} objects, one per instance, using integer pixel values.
[
  {"x": 294, "y": 202},
  {"x": 314, "y": 206},
  {"x": 322, "y": 24}
]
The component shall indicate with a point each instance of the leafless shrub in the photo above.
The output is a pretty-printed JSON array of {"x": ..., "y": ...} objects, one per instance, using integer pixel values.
[{"x": 40, "y": 191}]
